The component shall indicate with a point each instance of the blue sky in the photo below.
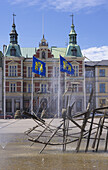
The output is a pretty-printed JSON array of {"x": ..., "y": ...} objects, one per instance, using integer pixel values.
[{"x": 90, "y": 20}]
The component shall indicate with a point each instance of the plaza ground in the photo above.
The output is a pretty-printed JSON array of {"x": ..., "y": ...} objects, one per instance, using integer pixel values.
[{"x": 16, "y": 152}]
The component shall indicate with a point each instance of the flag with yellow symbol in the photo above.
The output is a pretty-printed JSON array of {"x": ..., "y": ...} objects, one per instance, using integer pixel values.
[
  {"x": 65, "y": 66},
  {"x": 38, "y": 66}
]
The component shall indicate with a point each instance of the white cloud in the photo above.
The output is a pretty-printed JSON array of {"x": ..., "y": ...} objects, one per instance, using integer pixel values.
[
  {"x": 17, "y": 1},
  {"x": 75, "y": 5},
  {"x": 66, "y": 5},
  {"x": 96, "y": 53}
]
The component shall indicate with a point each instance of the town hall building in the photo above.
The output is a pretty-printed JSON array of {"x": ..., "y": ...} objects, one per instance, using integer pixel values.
[{"x": 51, "y": 89}]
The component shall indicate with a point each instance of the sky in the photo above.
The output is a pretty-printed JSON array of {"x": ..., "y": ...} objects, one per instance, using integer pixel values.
[{"x": 35, "y": 17}]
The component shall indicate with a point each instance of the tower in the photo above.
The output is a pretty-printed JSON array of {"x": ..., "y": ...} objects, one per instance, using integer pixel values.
[
  {"x": 75, "y": 83},
  {"x": 13, "y": 34},
  {"x": 13, "y": 49},
  {"x": 73, "y": 49},
  {"x": 13, "y": 74}
]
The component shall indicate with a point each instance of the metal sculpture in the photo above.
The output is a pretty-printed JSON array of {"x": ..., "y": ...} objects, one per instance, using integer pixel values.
[{"x": 71, "y": 130}]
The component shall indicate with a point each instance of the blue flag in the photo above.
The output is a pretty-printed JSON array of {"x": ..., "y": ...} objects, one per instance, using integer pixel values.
[
  {"x": 38, "y": 66},
  {"x": 65, "y": 66}
]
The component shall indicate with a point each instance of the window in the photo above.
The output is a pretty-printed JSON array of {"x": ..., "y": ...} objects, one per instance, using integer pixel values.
[
  {"x": 12, "y": 87},
  {"x": 74, "y": 50},
  {"x": 13, "y": 51},
  {"x": 79, "y": 105},
  {"x": 56, "y": 71},
  {"x": 13, "y": 71},
  {"x": 43, "y": 43},
  {"x": 76, "y": 71},
  {"x": 102, "y": 88},
  {"x": 43, "y": 88},
  {"x": 43, "y": 54},
  {"x": 29, "y": 71},
  {"x": 102, "y": 102},
  {"x": 29, "y": 88},
  {"x": 17, "y": 105},
  {"x": 74, "y": 87},
  {"x": 102, "y": 73},
  {"x": 56, "y": 88},
  {"x": 26, "y": 105},
  {"x": 8, "y": 105},
  {"x": 43, "y": 103},
  {"x": 89, "y": 73},
  {"x": 89, "y": 87}
]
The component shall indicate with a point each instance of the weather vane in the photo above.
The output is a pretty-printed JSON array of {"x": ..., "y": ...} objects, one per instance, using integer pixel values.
[
  {"x": 72, "y": 18},
  {"x": 13, "y": 18}
]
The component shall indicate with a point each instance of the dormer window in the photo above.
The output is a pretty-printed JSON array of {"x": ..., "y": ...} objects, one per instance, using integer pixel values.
[
  {"x": 13, "y": 51},
  {"x": 43, "y": 54},
  {"x": 74, "y": 51}
]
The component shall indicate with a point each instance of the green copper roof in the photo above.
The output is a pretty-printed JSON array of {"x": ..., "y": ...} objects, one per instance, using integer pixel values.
[
  {"x": 71, "y": 48},
  {"x": 58, "y": 51},
  {"x": 64, "y": 52},
  {"x": 13, "y": 49},
  {"x": 16, "y": 47},
  {"x": 28, "y": 52}
]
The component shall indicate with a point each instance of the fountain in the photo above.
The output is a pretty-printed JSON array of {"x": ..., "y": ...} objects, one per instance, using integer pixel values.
[{"x": 71, "y": 129}]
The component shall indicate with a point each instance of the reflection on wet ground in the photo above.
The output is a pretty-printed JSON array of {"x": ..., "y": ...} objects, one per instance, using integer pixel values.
[{"x": 17, "y": 154}]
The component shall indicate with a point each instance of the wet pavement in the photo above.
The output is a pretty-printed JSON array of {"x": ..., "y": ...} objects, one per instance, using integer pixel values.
[{"x": 17, "y": 154}]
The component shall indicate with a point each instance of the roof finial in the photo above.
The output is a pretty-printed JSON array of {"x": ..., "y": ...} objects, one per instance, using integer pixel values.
[
  {"x": 72, "y": 18},
  {"x": 13, "y": 18}
]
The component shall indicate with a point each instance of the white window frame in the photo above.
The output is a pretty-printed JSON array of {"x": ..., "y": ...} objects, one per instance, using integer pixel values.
[
  {"x": 12, "y": 70},
  {"x": 102, "y": 72},
  {"x": 29, "y": 87},
  {"x": 89, "y": 87},
  {"x": 75, "y": 88},
  {"x": 76, "y": 70},
  {"x": 56, "y": 71},
  {"x": 13, "y": 87},
  {"x": 89, "y": 73},
  {"x": 29, "y": 71},
  {"x": 44, "y": 88}
]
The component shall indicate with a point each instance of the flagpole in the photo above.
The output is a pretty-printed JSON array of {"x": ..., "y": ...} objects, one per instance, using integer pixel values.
[
  {"x": 59, "y": 92},
  {"x": 39, "y": 68},
  {"x": 84, "y": 87},
  {"x": 32, "y": 96},
  {"x": 4, "y": 90}
]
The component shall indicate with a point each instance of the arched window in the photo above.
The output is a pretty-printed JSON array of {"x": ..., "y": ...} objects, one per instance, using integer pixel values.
[
  {"x": 43, "y": 103},
  {"x": 43, "y": 54}
]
